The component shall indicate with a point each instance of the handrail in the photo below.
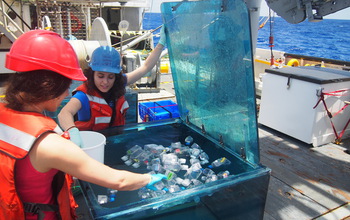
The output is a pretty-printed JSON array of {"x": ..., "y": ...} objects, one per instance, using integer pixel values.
[
  {"x": 19, "y": 17},
  {"x": 10, "y": 19}
]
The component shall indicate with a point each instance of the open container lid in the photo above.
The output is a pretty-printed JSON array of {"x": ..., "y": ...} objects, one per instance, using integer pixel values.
[{"x": 210, "y": 52}]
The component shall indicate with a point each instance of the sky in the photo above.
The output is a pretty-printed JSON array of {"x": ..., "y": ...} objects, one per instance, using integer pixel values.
[{"x": 264, "y": 10}]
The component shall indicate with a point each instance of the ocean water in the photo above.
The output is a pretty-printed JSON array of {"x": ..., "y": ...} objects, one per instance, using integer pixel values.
[{"x": 326, "y": 39}]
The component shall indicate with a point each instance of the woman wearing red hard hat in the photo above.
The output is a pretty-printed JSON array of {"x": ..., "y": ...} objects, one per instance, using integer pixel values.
[{"x": 36, "y": 162}]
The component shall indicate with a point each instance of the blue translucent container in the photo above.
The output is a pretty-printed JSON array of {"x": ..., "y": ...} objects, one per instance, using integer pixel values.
[
  {"x": 210, "y": 51},
  {"x": 151, "y": 111}
]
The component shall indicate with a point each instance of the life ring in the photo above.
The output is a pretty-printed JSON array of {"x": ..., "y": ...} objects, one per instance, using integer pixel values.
[
  {"x": 293, "y": 62},
  {"x": 75, "y": 22},
  {"x": 78, "y": 23}
]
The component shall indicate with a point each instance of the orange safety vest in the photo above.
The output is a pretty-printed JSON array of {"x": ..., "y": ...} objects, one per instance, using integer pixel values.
[
  {"x": 18, "y": 133},
  {"x": 101, "y": 112}
]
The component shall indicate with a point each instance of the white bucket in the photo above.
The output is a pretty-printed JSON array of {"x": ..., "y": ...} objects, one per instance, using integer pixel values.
[{"x": 94, "y": 144}]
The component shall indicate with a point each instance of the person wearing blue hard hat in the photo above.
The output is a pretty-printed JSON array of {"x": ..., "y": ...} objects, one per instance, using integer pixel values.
[{"x": 99, "y": 102}]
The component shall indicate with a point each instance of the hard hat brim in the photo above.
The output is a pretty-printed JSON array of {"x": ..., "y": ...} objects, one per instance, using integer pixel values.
[{"x": 105, "y": 69}]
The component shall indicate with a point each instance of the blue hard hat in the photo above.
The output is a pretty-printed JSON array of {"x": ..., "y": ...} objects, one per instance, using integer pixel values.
[{"x": 105, "y": 59}]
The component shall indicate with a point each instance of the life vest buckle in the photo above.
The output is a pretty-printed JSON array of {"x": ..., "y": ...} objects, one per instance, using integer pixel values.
[
  {"x": 38, "y": 209},
  {"x": 31, "y": 208}
]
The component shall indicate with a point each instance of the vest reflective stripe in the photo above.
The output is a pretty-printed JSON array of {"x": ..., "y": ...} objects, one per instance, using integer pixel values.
[
  {"x": 16, "y": 137},
  {"x": 97, "y": 99},
  {"x": 102, "y": 120},
  {"x": 124, "y": 107},
  {"x": 58, "y": 130}
]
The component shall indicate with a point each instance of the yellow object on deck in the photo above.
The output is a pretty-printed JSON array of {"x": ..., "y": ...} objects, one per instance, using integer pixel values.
[
  {"x": 164, "y": 68},
  {"x": 293, "y": 62}
]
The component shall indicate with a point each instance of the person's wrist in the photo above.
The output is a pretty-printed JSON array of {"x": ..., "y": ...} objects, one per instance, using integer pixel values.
[
  {"x": 160, "y": 46},
  {"x": 150, "y": 178},
  {"x": 71, "y": 127}
]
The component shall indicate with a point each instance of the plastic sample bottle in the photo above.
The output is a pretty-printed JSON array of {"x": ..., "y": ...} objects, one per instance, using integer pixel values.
[
  {"x": 155, "y": 165},
  {"x": 125, "y": 158},
  {"x": 195, "y": 152},
  {"x": 195, "y": 145},
  {"x": 102, "y": 199},
  {"x": 211, "y": 178},
  {"x": 111, "y": 194},
  {"x": 157, "y": 193},
  {"x": 188, "y": 140},
  {"x": 176, "y": 145},
  {"x": 144, "y": 193},
  {"x": 128, "y": 162},
  {"x": 203, "y": 156},
  {"x": 219, "y": 162},
  {"x": 194, "y": 171},
  {"x": 223, "y": 174},
  {"x": 196, "y": 182},
  {"x": 208, "y": 172},
  {"x": 170, "y": 175},
  {"x": 186, "y": 182},
  {"x": 159, "y": 185},
  {"x": 133, "y": 149},
  {"x": 174, "y": 188}
]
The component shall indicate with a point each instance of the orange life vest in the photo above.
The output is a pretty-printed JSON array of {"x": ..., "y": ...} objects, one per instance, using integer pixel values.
[
  {"x": 101, "y": 112},
  {"x": 18, "y": 133}
]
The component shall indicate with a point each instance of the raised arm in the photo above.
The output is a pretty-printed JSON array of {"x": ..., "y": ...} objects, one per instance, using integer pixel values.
[
  {"x": 150, "y": 62},
  {"x": 147, "y": 66}
]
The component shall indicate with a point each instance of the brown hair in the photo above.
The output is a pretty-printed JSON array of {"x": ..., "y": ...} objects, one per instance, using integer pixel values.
[
  {"x": 34, "y": 87},
  {"x": 117, "y": 90}
]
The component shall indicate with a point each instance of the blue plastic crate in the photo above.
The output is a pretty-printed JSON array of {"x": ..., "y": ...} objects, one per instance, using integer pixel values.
[{"x": 151, "y": 111}]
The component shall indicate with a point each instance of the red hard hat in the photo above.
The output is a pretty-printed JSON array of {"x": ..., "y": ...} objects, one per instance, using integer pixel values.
[{"x": 42, "y": 49}]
